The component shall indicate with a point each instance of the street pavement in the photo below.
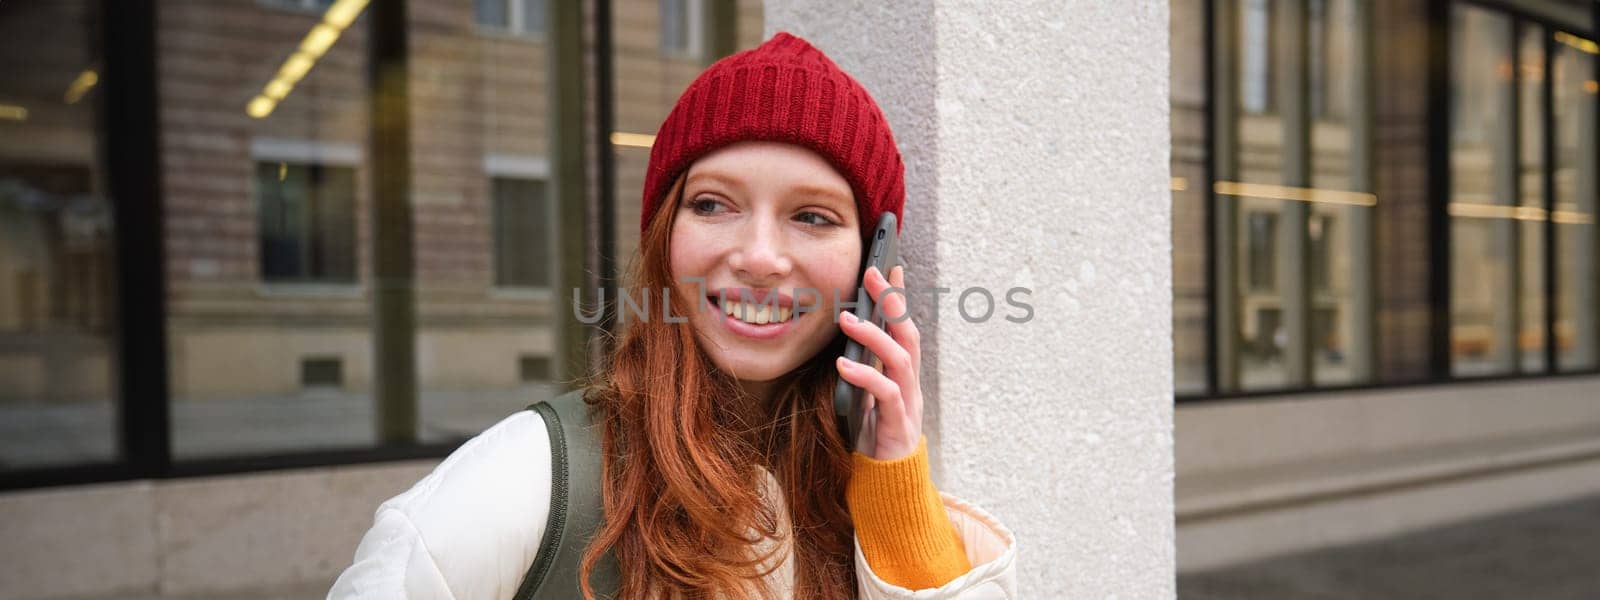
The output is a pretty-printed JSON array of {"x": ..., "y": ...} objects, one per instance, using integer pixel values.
[{"x": 1546, "y": 553}]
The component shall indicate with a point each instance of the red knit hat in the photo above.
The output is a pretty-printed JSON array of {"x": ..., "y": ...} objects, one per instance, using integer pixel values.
[{"x": 784, "y": 90}]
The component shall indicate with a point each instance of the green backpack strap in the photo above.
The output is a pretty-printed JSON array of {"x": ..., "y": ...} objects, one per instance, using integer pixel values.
[{"x": 575, "y": 507}]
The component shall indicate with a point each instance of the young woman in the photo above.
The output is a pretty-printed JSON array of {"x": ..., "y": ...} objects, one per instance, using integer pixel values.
[{"x": 723, "y": 474}]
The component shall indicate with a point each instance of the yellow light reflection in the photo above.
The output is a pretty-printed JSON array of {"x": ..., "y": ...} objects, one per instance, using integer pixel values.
[
  {"x": 13, "y": 112},
  {"x": 1591, "y": 86},
  {"x": 1568, "y": 217},
  {"x": 636, "y": 140},
  {"x": 277, "y": 89},
  {"x": 1298, "y": 194},
  {"x": 1180, "y": 184},
  {"x": 261, "y": 106},
  {"x": 1583, "y": 44},
  {"x": 296, "y": 68},
  {"x": 1473, "y": 210},
  {"x": 316, "y": 43},
  {"x": 343, "y": 13},
  {"x": 81, "y": 86},
  {"x": 319, "y": 40}
]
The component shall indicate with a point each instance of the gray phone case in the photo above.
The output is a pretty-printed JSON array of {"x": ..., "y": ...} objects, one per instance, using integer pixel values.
[{"x": 847, "y": 397}]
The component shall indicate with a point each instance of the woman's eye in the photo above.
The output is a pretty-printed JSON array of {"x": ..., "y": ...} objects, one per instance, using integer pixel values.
[
  {"x": 818, "y": 218},
  {"x": 703, "y": 205}
]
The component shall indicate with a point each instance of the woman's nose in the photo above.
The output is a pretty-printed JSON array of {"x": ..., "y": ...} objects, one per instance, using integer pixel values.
[{"x": 762, "y": 256}]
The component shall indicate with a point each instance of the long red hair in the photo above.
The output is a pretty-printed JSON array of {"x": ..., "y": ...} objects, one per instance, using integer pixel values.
[{"x": 682, "y": 442}]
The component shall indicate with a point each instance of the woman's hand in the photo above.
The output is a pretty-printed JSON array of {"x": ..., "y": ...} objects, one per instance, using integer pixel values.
[{"x": 897, "y": 390}]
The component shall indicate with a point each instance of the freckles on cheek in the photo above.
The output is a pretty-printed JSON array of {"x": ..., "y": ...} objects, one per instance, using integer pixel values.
[
  {"x": 680, "y": 254},
  {"x": 840, "y": 275}
]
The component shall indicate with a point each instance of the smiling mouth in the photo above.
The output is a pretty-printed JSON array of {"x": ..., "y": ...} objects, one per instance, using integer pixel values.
[{"x": 758, "y": 314}]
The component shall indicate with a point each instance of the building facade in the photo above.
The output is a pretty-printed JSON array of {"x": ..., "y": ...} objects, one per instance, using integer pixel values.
[{"x": 1384, "y": 267}]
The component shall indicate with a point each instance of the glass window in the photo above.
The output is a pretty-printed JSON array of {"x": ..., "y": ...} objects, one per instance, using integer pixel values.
[
  {"x": 532, "y": 15},
  {"x": 1320, "y": 197},
  {"x": 1530, "y": 216},
  {"x": 1322, "y": 232},
  {"x": 1576, "y": 97},
  {"x": 1260, "y": 158},
  {"x": 511, "y": 16},
  {"x": 1261, "y": 238},
  {"x": 680, "y": 28},
  {"x": 1339, "y": 229},
  {"x": 1190, "y": 192},
  {"x": 484, "y": 244},
  {"x": 1483, "y": 194},
  {"x": 307, "y": 222},
  {"x": 300, "y": 4},
  {"x": 57, "y": 268},
  {"x": 1294, "y": 197},
  {"x": 1499, "y": 218},
  {"x": 1256, "y": 51},
  {"x": 523, "y": 236},
  {"x": 267, "y": 227},
  {"x": 492, "y": 13}
]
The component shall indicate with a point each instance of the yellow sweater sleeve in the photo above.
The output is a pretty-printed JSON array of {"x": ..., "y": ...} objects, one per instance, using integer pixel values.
[{"x": 901, "y": 522}]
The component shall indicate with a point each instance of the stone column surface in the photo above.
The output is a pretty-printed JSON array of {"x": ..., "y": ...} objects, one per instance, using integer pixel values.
[{"x": 1036, "y": 141}]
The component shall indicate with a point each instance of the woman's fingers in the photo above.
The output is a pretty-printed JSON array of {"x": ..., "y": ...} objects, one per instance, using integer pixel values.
[
  {"x": 896, "y": 360},
  {"x": 885, "y": 392},
  {"x": 897, "y": 391},
  {"x": 896, "y": 312},
  {"x": 905, "y": 331},
  {"x": 895, "y": 308}
]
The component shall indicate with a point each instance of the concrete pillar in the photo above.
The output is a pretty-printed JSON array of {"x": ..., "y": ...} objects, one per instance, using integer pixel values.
[{"x": 1036, "y": 141}]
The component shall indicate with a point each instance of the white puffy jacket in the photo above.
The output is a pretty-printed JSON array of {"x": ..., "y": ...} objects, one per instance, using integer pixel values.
[{"x": 471, "y": 528}]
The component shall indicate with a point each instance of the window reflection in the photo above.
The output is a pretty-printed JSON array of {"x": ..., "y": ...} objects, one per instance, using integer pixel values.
[
  {"x": 1189, "y": 194},
  {"x": 1529, "y": 255},
  {"x": 266, "y": 209},
  {"x": 57, "y": 301},
  {"x": 1483, "y": 179},
  {"x": 1577, "y": 253},
  {"x": 1500, "y": 299}
]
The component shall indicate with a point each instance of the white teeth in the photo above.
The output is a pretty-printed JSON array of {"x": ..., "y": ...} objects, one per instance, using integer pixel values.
[{"x": 760, "y": 314}]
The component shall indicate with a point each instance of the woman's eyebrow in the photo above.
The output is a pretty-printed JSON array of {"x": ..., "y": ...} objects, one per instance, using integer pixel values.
[
  {"x": 804, "y": 190},
  {"x": 717, "y": 177}
]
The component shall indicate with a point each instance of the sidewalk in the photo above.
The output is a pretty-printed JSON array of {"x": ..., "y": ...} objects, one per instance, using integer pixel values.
[{"x": 1545, "y": 553}]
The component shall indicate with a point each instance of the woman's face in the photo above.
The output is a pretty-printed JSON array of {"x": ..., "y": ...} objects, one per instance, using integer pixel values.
[{"x": 771, "y": 218}]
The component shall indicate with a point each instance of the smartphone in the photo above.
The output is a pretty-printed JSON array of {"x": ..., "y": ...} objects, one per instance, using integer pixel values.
[{"x": 847, "y": 397}]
